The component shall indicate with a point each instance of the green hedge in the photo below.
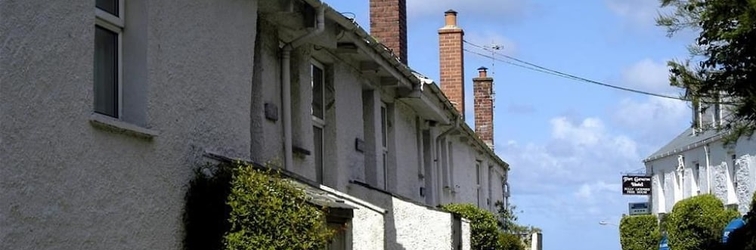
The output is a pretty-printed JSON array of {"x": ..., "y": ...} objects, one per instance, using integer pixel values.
[
  {"x": 240, "y": 207},
  {"x": 484, "y": 231},
  {"x": 697, "y": 223},
  {"x": 268, "y": 212},
  {"x": 484, "y": 228},
  {"x": 509, "y": 241},
  {"x": 639, "y": 232}
]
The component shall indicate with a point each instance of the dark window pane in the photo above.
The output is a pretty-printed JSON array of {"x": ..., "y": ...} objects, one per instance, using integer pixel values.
[
  {"x": 317, "y": 92},
  {"x": 385, "y": 171},
  {"x": 106, "y": 72},
  {"x": 384, "y": 131},
  {"x": 318, "y": 141},
  {"x": 110, "y": 6}
]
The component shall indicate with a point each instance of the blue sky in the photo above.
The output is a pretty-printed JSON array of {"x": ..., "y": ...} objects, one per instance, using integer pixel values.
[{"x": 567, "y": 142}]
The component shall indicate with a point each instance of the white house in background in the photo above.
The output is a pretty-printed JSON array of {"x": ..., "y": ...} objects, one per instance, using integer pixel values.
[{"x": 697, "y": 162}]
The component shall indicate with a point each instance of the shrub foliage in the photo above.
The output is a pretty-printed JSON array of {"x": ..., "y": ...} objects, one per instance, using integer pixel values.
[
  {"x": 484, "y": 228},
  {"x": 508, "y": 241},
  {"x": 697, "y": 223},
  {"x": 484, "y": 231},
  {"x": 241, "y": 207},
  {"x": 268, "y": 212},
  {"x": 639, "y": 232}
]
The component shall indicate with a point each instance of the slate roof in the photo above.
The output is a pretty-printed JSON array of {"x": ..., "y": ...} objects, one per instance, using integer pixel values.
[
  {"x": 320, "y": 197},
  {"x": 686, "y": 140}
]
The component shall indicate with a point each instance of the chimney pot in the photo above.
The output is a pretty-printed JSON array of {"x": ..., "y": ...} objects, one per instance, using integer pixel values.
[
  {"x": 450, "y": 18},
  {"x": 482, "y": 72}
]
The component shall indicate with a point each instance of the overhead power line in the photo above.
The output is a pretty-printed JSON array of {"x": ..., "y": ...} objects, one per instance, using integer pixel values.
[{"x": 535, "y": 67}]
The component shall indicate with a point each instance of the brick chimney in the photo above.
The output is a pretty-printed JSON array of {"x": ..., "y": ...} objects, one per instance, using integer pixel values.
[
  {"x": 451, "y": 61},
  {"x": 388, "y": 24},
  {"x": 482, "y": 90}
]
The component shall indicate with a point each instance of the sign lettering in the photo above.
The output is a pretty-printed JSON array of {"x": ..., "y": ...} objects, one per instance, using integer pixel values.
[{"x": 636, "y": 185}]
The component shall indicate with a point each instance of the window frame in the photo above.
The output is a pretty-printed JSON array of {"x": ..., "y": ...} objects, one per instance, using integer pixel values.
[
  {"x": 696, "y": 177},
  {"x": 320, "y": 170},
  {"x": 478, "y": 176},
  {"x": 489, "y": 181},
  {"x": 110, "y": 18},
  {"x": 318, "y": 122},
  {"x": 116, "y": 25},
  {"x": 384, "y": 142}
]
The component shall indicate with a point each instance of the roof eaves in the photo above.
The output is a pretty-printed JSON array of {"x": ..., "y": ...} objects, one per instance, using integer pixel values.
[
  {"x": 453, "y": 111},
  {"x": 412, "y": 76},
  {"x": 703, "y": 141},
  {"x": 384, "y": 52},
  {"x": 471, "y": 133}
]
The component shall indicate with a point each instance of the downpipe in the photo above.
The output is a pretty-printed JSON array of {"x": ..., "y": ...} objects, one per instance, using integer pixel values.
[
  {"x": 286, "y": 83},
  {"x": 439, "y": 147}
]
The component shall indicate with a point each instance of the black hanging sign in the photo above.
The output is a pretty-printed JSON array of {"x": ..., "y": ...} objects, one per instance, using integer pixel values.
[{"x": 636, "y": 185}]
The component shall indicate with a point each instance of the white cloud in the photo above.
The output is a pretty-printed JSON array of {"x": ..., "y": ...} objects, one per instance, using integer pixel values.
[
  {"x": 587, "y": 133},
  {"x": 654, "y": 119},
  {"x": 641, "y": 13},
  {"x": 588, "y": 191},
  {"x": 577, "y": 169},
  {"x": 577, "y": 152},
  {"x": 648, "y": 75},
  {"x": 479, "y": 9},
  {"x": 491, "y": 38}
]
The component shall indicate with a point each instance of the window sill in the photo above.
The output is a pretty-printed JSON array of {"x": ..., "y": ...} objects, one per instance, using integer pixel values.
[{"x": 114, "y": 125}]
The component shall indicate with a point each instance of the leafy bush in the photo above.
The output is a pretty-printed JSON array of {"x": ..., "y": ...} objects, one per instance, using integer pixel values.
[
  {"x": 268, "y": 212},
  {"x": 240, "y": 207},
  {"x": 484, "y": 233},
  {"x": 509, "y": 241},
  {"x": 639, "y": 232},
  {"x": 697, "y": 223},
  {"x": 507, "y": 221}
]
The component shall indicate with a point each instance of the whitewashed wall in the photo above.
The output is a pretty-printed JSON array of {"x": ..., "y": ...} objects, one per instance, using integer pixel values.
[
  {"x": 70, "y": 185},
  {"x": 410, "y": 225},
  {"x": 713, "y": 177}
]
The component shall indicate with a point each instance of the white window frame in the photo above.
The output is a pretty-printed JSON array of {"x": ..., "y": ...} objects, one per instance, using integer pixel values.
[
  {"x": 478, "y": 176},
  {"x": 678, "y": 185},
  {"x": 490, "y": 188},
  {"x": 696, "y": 178},
  {"x": 317, "y": 121},
  {"x": 115, "y": 24},
  {"x": 384, "y": 142}
]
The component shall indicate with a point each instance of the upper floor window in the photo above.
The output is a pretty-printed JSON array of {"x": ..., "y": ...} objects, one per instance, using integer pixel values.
[
  {"x": 477, "y": 183},
  {"x": 489, "y": 181},
  {"x": 109, "y": 25},
  {"x": 697, "y": 178},
  {"x": 384, "y": 144},
  {"x": 318, "y": 118},
  {"x": 318, "y": 92}
]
